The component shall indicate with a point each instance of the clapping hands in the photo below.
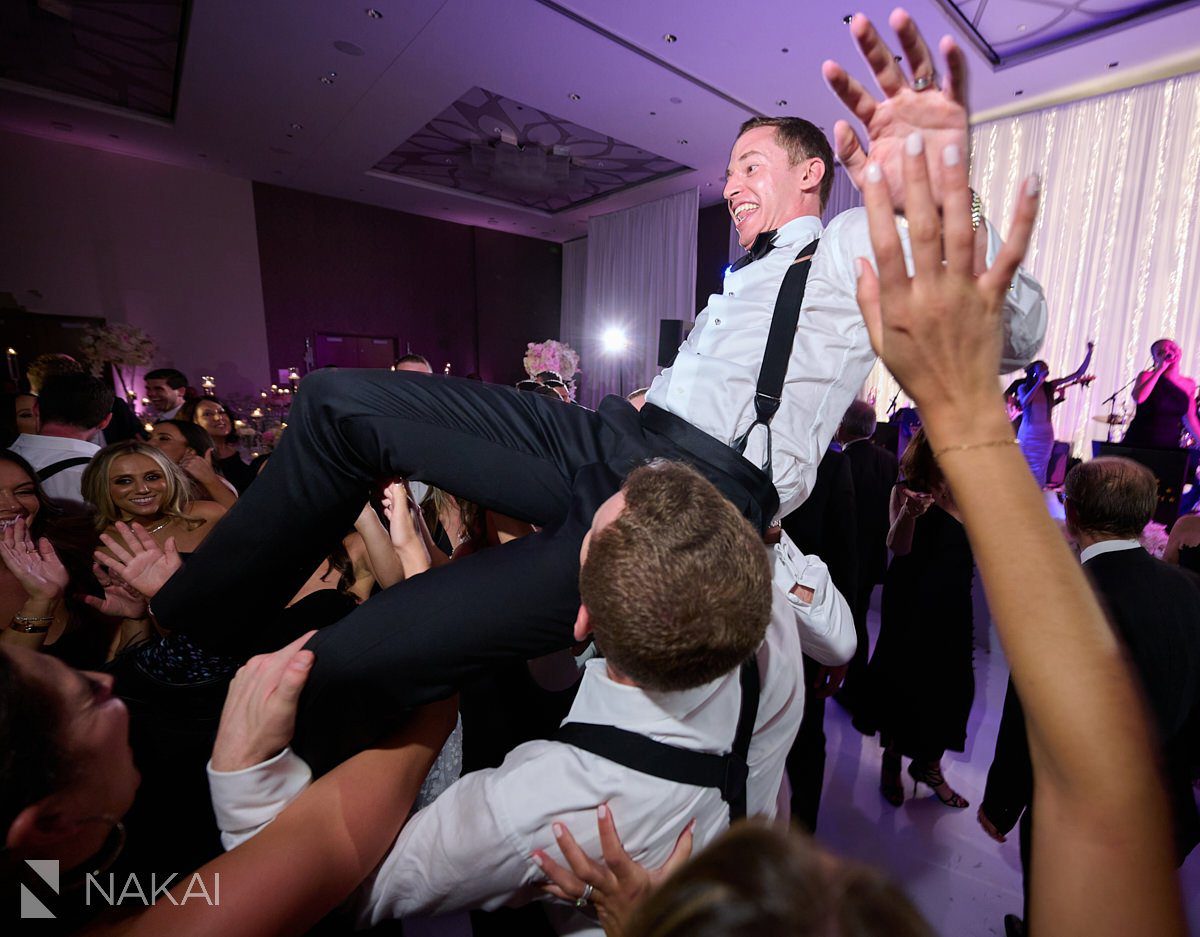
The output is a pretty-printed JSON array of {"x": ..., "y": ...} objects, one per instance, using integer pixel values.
[{"x": 35, "y": 565}]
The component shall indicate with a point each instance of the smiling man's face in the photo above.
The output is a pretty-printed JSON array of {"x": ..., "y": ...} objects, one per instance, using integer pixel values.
[{"x": 763, "y": 189}]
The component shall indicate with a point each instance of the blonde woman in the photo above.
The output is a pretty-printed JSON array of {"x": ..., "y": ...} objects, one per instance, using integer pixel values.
[{"x": 132, "y": 482}]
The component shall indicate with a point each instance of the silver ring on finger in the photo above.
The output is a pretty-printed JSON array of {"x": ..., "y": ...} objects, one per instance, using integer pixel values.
[
  {"x": 583, "y": 900},
  {"x": 924, "y": 82}
]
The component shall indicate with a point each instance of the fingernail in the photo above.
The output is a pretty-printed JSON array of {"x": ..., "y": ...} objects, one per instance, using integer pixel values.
[
  {"x": 558, "y": 830},
  {"x": 861, "y": 266},
  {"x": 537, "y": 860},
  {"x": 914, "y": 143},
  {"x": 691, "y": 827},
  {"x": 602, "y": 810},
  {"x": 874, "y": 173},
  {"x": 1033, "y": 185},
  {"x": 951, "y": 155}
]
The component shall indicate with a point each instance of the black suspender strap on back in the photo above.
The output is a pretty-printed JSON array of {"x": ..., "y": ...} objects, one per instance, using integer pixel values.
[
  {"x": 773, "y": 371},
  {"x": 727, "y": 773},
  {"x": 61, "y": 466}
]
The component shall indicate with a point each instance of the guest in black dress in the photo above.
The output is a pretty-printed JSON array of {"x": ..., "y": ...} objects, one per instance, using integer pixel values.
[
  {"x": 920, "y": 680},
  {"x": 1166, "y": 402}
]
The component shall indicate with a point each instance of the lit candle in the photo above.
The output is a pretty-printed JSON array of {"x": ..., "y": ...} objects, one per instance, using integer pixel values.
[
  {"x": 14, "y": 372},
  {"x": 208, "y": 384}
]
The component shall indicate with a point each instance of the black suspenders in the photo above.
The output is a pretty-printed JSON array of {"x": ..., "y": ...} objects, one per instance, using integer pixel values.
[{"x": 635, "y": 751}]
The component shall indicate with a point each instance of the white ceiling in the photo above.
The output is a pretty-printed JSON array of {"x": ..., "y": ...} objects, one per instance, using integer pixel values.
[{"x": 252, "y": 68}]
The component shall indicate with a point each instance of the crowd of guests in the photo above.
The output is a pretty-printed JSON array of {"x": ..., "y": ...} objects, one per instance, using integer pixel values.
[{"x": 575, "y": 787}]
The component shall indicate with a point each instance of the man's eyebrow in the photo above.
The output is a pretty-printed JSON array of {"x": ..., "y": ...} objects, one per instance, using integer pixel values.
[{"x": 745, "y": 156}]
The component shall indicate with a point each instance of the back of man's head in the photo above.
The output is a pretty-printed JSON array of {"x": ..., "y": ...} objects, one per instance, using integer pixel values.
[
  {"x": 1110, "y": 498},
  {"x": 678, "y": 586},
  {"x": 44, "y": 367},
  {"x": 77, "y": 400},
  {"x": 858, "y": 422},
  {"x": 174, "y": 379}
]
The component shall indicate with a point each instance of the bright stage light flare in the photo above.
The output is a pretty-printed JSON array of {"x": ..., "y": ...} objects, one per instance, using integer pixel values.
[{"x": 614, "y": 340}]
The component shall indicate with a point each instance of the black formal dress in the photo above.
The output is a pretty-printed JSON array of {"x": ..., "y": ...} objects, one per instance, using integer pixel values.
[
  {"x": 920, "y": 680},
  {"x": 1159, "y": 418},
  {"x": 822, "y": 526},
  {"x": 874, "y": 470},
  {"x": 1155, "y": 608}
]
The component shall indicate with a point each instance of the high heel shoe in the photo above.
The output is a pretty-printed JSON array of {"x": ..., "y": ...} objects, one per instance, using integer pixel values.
[
  {"x": 932, "y": 778},
  {"x": 889, "y": 780}
]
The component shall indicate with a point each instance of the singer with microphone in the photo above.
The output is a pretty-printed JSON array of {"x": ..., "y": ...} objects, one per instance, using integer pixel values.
[{"x": 1166, "y": 402}]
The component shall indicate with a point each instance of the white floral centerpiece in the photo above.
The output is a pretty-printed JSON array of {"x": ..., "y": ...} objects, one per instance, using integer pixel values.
[
  {"x": 121, "y": 345},
  {"x": 552, "y": 355}
]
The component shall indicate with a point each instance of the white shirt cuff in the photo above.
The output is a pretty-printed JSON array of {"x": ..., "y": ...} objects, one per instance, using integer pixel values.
[{"x": 247, "y": 800}]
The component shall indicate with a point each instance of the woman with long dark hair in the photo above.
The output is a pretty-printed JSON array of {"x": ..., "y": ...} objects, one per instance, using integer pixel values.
[{"x": 219, "y": 421}]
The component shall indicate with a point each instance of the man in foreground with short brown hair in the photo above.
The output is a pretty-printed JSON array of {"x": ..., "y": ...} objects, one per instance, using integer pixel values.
[{"x": 676, "y": 590}]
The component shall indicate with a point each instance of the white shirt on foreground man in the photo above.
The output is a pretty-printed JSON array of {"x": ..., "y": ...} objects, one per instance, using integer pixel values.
[{"x": 471, "y": 847}]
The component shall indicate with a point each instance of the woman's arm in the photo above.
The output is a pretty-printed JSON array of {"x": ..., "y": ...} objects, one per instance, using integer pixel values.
[
  {"x": 905, "y": 507},
  {"x": 1185, "y": 533},
  {"x": 1024, "y": 395},
  {"x": 384, "y": 564},
  {"x": 1145, "y": 382},
  {"x": 325, "y": 843},
  {"x": 1079, "y": 371},
  {"x": 407, "y": 525},
  {"x": 201, "y": 469},
  {"x": 42, "y": 575},
  {"x": 1103, "y": 824}
]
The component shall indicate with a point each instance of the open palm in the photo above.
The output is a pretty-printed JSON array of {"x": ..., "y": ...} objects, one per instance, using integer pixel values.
[{"x": 35, "y": 564}]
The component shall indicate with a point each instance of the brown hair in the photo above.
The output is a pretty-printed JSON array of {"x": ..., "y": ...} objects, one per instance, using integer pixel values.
[
  {"x": 678, "y": 586},
  {"x": 918, "y": 467},
  {"x": 1111, "y": 495},
  {"x": 802, "y": 140},
  {"x": 757, "y": 881}
]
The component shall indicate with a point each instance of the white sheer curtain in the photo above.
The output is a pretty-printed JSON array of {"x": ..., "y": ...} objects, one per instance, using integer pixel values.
[
  {"x": 641, "y": 267},
  {"x": 1117, "y": 243}
]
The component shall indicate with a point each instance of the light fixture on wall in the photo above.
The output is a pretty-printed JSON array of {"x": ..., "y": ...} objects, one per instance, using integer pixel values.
[{"x": 614, "y": 340}]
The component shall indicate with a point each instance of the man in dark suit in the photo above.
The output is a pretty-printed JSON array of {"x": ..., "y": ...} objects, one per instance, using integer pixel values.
[
  {"x": 874, "y": 471},
  {"x": 1155, "y": 608},
  {"x": 822, "y": 526}
]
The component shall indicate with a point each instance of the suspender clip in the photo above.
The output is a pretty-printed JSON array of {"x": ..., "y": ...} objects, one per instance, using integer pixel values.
[{"x": 765, "y": 406}]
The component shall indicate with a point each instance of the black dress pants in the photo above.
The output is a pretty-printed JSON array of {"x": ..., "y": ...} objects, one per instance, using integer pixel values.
[{"x": 524, "y": 455}]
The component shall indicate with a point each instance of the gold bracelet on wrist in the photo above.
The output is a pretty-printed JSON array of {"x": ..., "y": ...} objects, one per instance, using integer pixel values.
[
  {"x": 976, "y": 210},
  {"x": 990, "y": 444},
  {"x": 31, "y": 624}
]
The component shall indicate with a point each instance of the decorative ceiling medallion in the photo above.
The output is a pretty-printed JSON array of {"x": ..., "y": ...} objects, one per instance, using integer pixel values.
[{"x": 490, "y": 145}]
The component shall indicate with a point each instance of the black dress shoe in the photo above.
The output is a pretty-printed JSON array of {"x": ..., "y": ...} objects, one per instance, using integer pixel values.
[{"x": 1013, "y": 926}]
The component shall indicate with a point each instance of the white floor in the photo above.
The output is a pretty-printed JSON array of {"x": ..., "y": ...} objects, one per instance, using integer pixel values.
[{"x": 963, "y": 881}]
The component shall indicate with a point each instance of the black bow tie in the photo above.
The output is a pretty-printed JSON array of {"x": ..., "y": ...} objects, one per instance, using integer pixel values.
[{"x": 763, "y": 245}]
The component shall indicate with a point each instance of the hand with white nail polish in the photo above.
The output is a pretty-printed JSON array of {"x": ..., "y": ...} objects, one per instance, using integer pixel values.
[{"x": 933, "y": 118}]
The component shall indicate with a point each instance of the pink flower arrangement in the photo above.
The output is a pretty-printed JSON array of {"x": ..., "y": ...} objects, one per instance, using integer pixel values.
[{"x": 551, "y": 355}]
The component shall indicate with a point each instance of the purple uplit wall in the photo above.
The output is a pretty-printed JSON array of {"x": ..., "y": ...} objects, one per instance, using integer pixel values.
[{"x": 468, "y": 296}]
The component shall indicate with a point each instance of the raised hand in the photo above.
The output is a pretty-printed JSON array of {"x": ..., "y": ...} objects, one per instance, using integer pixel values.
[
  {"x": 121, "y": 600},
  {"x": 140, "y": 561},
  {"x": 939, "y": 113},
  {"x": 614, "y": 886},
  {"x": 35, "y": 565},
  {"x": 259, "y": 716},
  {"x": 199, "y": 467},
  {"x": 401, "y": 512},
  {"x": 940, "y": 331}
]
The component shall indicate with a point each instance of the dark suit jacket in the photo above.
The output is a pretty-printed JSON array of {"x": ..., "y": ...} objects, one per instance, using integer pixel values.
[
  {"x": 824, "y": 525},
  {"x": 1155, "y": 608},
  {"x": 874, "y": 471}
]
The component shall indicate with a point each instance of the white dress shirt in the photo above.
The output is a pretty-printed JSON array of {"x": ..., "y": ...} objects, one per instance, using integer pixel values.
[
  {"x": 64, "y": 487},
  {"x": 712, "y": 382},
  {"x": 470, "y": 848}
]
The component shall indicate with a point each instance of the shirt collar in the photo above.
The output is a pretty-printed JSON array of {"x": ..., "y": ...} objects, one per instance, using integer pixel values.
[
  {"x": 799, "y": 231},
  {"x": 32, "y": 441},
  {"x": 1108, "y": 546},
  {"x": 684, "y": 717}
]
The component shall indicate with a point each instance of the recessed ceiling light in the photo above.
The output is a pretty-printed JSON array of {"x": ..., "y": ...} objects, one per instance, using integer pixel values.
[
  {"x": 348, "y": 48},
  {"x": 782, "y": 102},
  {"x": 682, "y": 142},
  {"x": 326, "y": 80},
  {"x": 654, "y": 113},
  {"x": 331, "y": 74},
  {"x": 1021, "y": 27},
  {"x": 847, "y": 18},
  {"x": 1019, "y": 93},
  {"x": 898, "y": 58},
  {"x": 374, "y": 14},
  {"x": 708, "y": 185},
  {"x": 574, "y": 97},
  {"x": 1113, "y": 64},
  {"x": 676, "y": 100},
  {"x": 668, "y": 38},
  {"x": 296, "y": 126},
  {"x": 784, "y": 51}
]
